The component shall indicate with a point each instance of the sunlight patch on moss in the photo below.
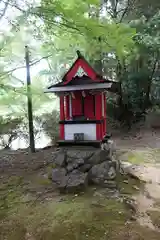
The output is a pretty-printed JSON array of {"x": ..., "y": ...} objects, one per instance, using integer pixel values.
[
  {"x": 141, "y": 156},
  {"x": 135, "y": 158},
  {"x": 42, "y": 181}
]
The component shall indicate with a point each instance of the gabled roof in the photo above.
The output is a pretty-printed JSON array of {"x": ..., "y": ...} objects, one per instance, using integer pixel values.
[
  {"x": 81, "y": 74},
  {"x": 82, "y": 63},
  {"x": 80, "y": 81}
]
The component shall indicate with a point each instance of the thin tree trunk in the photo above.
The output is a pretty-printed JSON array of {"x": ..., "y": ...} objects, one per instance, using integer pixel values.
[{"x": 149, "y": 85}]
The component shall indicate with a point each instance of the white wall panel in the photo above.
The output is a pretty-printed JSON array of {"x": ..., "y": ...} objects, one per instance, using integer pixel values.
[{"x": 88, "y": 129}]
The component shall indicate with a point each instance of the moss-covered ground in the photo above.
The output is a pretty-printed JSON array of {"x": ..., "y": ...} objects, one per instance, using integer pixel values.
[
  {"x": 140, "y": 156},
  {"x": 72, "y": 217}
]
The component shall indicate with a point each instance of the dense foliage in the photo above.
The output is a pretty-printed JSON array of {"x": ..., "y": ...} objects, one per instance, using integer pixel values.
[{"x": 121, "y": 39}]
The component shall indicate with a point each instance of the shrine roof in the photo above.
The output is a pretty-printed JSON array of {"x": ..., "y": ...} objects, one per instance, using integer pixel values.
[
  {"x": 80, "y": 81},
  {"x": 82, "y": 75}
]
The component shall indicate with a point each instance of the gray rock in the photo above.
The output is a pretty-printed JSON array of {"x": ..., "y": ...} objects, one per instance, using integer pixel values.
[
  {"x": 99, "y": 157},
  {"x": 77, "y": 181},
  {"x": 106, "y": 193},
  {"x": 98, "y": 194},
  {"x": 102, "y": 172},
  {"x": 113, "y": 194},
  {"x": 125, "y": 181},
  {"x": 80, "y": 161},
  {"x": 85, "y": 168},
  {"x": 110, "y": 184},
  {"x": 71, "y": 166},
  {"x": 70, "y": 160},
  {"x": 72, "y": 154},
  {"x": 60, "y": 160},
  {"x": 59, "y": 175},
  {"x": 133, "y": 171},
  {"x": 81, "y": 154},
  {"x": 116, "y": 164},
  {"x": 63, "y": 184},
  {"x": 74, "y": 164},
  {"x": 112, "y": 173},
  {"x": 130, "y": 204}
]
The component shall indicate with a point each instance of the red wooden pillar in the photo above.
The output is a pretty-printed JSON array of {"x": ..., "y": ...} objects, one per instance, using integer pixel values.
[
  {"x": 62, "y": 117},
  {"x": 102, "y": 124},
  {"x": 98, "y": 108},
  {"x": 67, "y": 108},
  {"x": 105, "y": 112}
]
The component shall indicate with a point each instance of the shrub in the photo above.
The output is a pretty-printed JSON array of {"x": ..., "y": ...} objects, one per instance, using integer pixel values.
[{"x": 50, "y": 125}]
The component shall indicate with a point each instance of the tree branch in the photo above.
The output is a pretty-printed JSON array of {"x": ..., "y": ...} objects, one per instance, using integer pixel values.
[
  {"x": 126, "y": 10},
  {"x": 115, "y": 9},
  {"x": 4, "y": 9},
  {"x": 66, "y": 23},
  {"x": 21, "y": 67},
  {"x": 114, "y": 12}
]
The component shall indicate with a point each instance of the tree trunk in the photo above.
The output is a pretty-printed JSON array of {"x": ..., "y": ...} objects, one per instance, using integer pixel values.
[{"x": 147, "y": 102}]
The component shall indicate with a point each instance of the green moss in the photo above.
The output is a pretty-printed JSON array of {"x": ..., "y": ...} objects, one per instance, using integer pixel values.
[
  {"x": 14, "y": 180},
  {"x": 135, "y": 157},
  {"x": 49, "y": 170},
  {"x": 73, "y": 219},
  {"x": 10, "y": 193},
  {"x": 17, "y": 232},
  {"x": 42, "y": 181},
  {"x": 147, "y": 155},
  {"x": 13, "y": 230}
]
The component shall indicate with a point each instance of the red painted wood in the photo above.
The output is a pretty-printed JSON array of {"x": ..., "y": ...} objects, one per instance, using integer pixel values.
[
  {"x": 77, "y": 104},
  {"x": 98, "y": 106},
  {"x": 98, "y": 131},
  {"x": 90, "y": 72},
  {"x": 62, "y": 117},
  {"x": 84, "y": 65},
  {"x": 102, "y": 130},
  {"x": 105, "y": 113},
  {"x": 61, "y": 131},
  {"x": 89, "y": 106},
  {"x": 71, "y": 73},
  {"x": 67, "y": 107}
]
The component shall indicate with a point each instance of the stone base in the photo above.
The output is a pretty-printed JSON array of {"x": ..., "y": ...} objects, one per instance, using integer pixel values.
[{"x": 76, "y": 168}]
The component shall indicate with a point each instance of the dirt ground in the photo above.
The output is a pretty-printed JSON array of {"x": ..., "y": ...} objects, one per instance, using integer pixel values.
[
  {"x": 32, "y": 209},
  {"x": 143, "y": 149},
  {"x": 141, "y": 139}
]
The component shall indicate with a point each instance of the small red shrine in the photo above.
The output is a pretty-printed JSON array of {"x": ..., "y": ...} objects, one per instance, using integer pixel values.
[{"x": 82, "y": 94}]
